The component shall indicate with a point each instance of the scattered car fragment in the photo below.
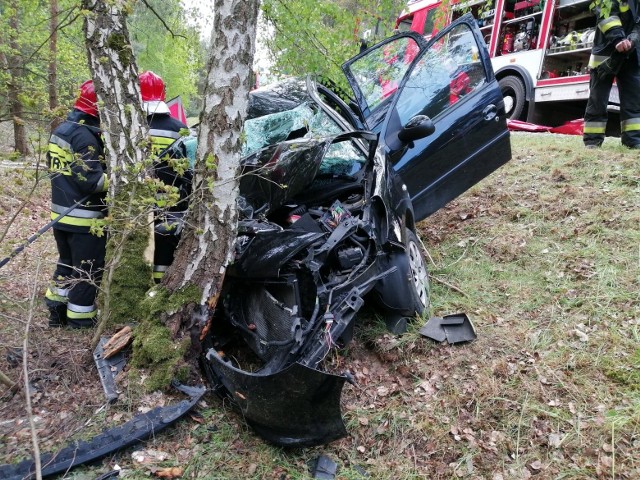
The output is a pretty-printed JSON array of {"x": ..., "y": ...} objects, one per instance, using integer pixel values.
[
  {"x": 324, "y": 468},
  {"x": 456, "y": 328},
  {"x": 110, "y": 441},
  {"x": 110, "y": 362},
  {"x": 331, "y": 190}
]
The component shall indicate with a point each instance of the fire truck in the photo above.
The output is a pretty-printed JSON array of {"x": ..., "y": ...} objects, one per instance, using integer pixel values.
[{"x": 539, "y": 50}]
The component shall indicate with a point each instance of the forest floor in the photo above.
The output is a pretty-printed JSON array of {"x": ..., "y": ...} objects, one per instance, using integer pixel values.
[{"x": 543, "y": 256}]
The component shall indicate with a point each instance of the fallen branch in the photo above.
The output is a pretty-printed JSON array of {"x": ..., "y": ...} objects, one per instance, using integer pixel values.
[
  {"x": 25, "y": 369},
  {"x": 447, "y": 284},
  {"x": 13, "y": 386}
]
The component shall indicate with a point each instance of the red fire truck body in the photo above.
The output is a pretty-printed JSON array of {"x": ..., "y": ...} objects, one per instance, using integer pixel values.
[{"x": 539, "y": 50}]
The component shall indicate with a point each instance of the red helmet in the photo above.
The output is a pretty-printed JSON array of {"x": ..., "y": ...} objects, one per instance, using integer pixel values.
[
  {"x": 87, "y": 102},
  {"x": 151, "y": 87}
]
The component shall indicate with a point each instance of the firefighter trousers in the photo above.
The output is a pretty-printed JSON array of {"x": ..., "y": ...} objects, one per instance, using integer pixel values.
[
  {"x": 71, "y": 298},
  {"x": 165, "y": 247},
  {"x": 167, "y": 229},
  {"x": 595, "y": 117}
]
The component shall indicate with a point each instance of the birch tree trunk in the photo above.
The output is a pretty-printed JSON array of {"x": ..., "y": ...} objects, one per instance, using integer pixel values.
[
  {"x": 125, "y": 132},
  {"x": 206, "y": 248},
  {"x": 193, "y": 282}
]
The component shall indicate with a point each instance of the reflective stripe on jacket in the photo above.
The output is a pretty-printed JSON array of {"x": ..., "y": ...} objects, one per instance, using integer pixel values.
[
  {"x": 164, "y": 131},
  {"x": 77, "y": 169},
  {"x": 612, "y": 29}
]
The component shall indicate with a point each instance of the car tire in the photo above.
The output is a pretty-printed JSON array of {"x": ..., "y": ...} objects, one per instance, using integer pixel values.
[
  {"x": 419, "y": 275},
  {"x": 513, "y": 92}
]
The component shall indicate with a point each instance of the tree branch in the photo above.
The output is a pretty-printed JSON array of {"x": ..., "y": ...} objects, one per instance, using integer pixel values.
[
  {"x": 13, "y": 386},
  {"x": 25, "y": 369},
  {"x": 174, "y": 35}
]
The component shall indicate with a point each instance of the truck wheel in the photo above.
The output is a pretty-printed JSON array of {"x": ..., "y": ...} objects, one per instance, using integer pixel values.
[
  {"x": 419, "y": 281},
  {"x": 513, "y": 92}
]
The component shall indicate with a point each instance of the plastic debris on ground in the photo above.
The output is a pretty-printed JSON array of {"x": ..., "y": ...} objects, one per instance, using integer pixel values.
[{"x": 455, "y": 328}]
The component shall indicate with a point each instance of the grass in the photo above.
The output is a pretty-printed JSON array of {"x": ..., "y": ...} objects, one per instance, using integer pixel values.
[{"x": 544, "y": 256}]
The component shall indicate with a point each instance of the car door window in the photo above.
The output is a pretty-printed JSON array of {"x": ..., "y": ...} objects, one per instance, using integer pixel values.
[
  {"x": 376, "y": 75},
  {"x": 380, "y": 72},
  {"x": 452, "y": 82},
  {"x": 448, "y": 71}
]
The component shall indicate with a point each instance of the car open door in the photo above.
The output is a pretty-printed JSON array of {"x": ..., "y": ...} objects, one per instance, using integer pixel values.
[{"x": 450, "y": 81}]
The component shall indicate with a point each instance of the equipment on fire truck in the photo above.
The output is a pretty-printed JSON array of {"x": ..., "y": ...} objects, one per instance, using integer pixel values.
[
  {"x": 527, "y": 37},
  {"x": 532, "y": 44},
  {"x": 507, "y": 41},
  {"x": 526, "y": 7},
  {"x": 572, "y": 40}
]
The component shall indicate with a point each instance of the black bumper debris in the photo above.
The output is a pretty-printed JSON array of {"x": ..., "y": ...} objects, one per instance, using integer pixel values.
[
  {"x": 295, "y": 407},
  {"x": 456, "y": 328},
  {"x": 110, "y": 441}
]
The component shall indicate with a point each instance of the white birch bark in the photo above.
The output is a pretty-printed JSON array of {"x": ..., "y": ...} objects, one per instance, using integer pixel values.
[
  {"x": 206, "y": 247},
  {"x": 115, "y": 77},
  {"x": 124, "y": 125}
]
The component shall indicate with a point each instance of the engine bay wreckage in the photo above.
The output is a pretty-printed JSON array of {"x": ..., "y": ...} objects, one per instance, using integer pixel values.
[
  {"x": 331, "y": 188},
  {"x": 315, "y": 238}
]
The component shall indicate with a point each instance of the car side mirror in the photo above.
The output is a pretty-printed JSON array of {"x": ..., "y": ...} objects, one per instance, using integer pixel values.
[{"x": 418, "y": 127}]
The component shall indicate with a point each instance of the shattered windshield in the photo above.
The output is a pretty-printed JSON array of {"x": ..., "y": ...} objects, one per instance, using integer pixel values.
[{"x": 304, "y": 121}]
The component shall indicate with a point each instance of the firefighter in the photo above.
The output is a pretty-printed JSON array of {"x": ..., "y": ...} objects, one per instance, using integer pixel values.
[
  {"x": 615, "y": 54},
  {"x": 77, "y": 170},
  {"x": 170, "y": 167}
]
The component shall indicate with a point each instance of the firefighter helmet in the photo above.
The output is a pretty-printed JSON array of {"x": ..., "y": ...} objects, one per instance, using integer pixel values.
[
  {"x": 87, "y": 101},
  {"x": 153, "y": 93}
]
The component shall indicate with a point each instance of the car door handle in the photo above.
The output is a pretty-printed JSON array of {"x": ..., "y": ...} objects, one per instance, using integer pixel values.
[{"x": 490, "y": 112}]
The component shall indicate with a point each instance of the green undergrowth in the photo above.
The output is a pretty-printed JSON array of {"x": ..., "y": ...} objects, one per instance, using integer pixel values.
[{"x": 545, "y": 259}]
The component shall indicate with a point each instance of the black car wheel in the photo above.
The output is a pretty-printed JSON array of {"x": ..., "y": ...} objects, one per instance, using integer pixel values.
[
  {"x": 514, "y": 96},
  {"x": 419, "y": 281}
]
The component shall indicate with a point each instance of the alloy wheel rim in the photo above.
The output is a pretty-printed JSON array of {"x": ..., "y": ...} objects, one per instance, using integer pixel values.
[{"x": 419, "y": 274}]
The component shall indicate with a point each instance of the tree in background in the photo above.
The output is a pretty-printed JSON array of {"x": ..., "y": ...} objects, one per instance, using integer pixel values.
[
  {"x": 30, "y": 54},
  {"x": 163, "y": 41},
  {"x": 13, "y": 66},
  {"x": 53, "y": 53},
  {"x": 317, "y": 37},
  {"x": 43, "y": 58}
]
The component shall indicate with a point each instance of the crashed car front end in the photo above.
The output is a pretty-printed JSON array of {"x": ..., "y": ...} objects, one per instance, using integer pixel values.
[{"x": 313, "y": 241}]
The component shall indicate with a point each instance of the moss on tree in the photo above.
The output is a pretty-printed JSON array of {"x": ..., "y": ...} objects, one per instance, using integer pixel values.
[
  {"x": 131, "y": 278},
  {"x": 154, "y": 347}
]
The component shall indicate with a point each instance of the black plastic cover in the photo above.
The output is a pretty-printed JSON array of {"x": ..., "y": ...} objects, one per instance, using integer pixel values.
[
  {"x": 296, "y": 407},
  {"x": 270, "y": 251},
  {"x": 110, "y": 441}
]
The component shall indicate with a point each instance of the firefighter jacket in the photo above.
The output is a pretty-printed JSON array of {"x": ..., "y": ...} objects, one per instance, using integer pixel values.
[
  {"x": 171, "y": 167},
  {"x": 620, "y": 22},
  {"x": 77, "y": 169}
]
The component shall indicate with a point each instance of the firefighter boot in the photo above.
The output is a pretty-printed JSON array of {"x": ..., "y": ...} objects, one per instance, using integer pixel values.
[
  {"x": 82, "y": 323},
  {"x": 57, "y": 314}
]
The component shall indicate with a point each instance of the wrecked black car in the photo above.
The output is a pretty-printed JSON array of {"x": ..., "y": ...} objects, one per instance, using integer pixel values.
[{"x": 332, "y": 187}]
